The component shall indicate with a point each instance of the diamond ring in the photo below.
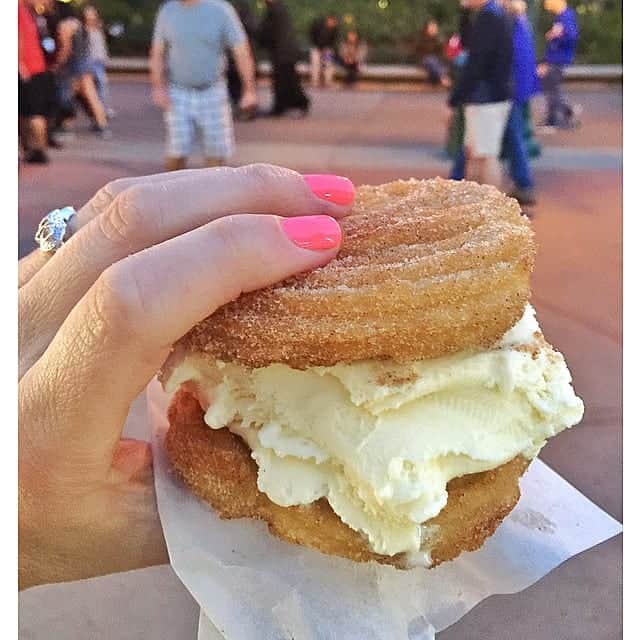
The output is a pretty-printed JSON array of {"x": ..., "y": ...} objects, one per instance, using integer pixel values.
[{"x": 53, "y": 228}]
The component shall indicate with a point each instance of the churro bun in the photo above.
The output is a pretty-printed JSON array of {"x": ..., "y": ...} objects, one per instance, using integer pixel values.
[
  {"x": 427, "y": 268},
  {"x": 217, "y": 466}
]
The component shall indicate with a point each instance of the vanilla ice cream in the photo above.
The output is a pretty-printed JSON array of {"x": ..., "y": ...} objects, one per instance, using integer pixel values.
[{"x": 381, "y": 440}]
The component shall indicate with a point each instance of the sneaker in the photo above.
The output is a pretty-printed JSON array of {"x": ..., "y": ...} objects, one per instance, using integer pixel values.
[
  {"x": 526, "y": 197},
  {"x": 547, "y": 129},
  {"x": 36, "y": 156}
]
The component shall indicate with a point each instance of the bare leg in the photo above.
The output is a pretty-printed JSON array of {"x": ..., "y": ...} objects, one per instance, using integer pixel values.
[
  {"x": 315, "y": 64},
  {"x": 474, "y": 169},
  {"x": 175, "y": 164},
  {"x": 493, "y": 172},
  {"x": 88, "y": 89},
  {"x": 328, "y": 73},
  {"x": 38, "y": 133}
]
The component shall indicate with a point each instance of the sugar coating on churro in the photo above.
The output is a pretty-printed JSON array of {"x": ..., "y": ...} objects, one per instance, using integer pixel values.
[{"x": 427, "y": 268}]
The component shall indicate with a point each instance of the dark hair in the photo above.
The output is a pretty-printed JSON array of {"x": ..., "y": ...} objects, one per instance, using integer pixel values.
[{"x": 66, "y": 10}]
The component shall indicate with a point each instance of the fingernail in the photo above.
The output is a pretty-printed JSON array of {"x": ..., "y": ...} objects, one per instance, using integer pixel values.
[
  {"x": 313, "y": 232},
  {"x": 335, "y": 189}
]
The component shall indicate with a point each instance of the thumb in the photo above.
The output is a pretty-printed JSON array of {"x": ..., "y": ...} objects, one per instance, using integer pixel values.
[{"x": 119, "y": 334}]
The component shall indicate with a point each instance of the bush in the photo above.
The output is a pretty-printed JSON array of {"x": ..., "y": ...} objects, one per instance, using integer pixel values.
[{"x": 389, "y": 26}]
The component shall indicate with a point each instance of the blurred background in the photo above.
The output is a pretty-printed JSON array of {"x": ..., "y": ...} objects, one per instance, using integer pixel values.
[{"x": 388, "y": 25}]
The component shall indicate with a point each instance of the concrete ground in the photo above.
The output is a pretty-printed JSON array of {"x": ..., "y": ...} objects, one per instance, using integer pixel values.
[{"x": 374, "y": 135}]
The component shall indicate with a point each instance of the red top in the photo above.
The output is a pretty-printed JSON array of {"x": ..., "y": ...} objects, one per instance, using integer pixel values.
[{"x": 30, "y": 53}]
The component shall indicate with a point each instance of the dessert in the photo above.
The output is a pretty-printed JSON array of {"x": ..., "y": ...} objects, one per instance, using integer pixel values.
[{"x": 382, "y": 407}]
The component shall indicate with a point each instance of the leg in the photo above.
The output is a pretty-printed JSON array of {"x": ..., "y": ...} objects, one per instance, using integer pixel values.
[
  {"x": 315, "y": 63},
  {"x": 474, "y": 167},
  {"x": 328, "y": 69},
  {"x": 215, "y": 120},
  {"x": 88, "y": 90},
  {"x": 299, "y": 98},
  {"x": 38, "y": 133},
  {"x": 566, "y": 109},
  {"x": 459, "y": 165},
  {"x": 551, "y": 85},
  {"x": 279, "y": 106},
  {"x": 179, "y": 130},
  {"x": 287, "y": 89},
  {"x": 491, "y": 171},
  {"x": 517, "y": 154},
  {"x": 233, "y": 81},
  {"x": 102, "y": 85}
]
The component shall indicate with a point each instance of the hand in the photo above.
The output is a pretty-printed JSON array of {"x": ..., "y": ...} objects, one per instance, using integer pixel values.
[
  {"x": 150, "y": 257},
  {"x": 543, "y": 70},
  {"x": 248, "y": 100},
  {"x": 556, "y": 31},
  {"x": 160, "y": 97},
  {"x": 24, "y": 74}
]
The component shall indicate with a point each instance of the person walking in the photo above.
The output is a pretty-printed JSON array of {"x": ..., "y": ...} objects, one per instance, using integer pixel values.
[
  {"x": 74, "y": 69},
  {"x": 323, "y": 35},
  {"x": 484, "y": 90},
  {"x": 277, "y": 35},
  {"x": 35, "y": 87},
  {"x": 352, "y": 53},
  {"x": 98, "y": 55},
  {"x": 525, "y": 86},
  {"x": 187, "y": 62},
  {"x": 562, "y": 40}
]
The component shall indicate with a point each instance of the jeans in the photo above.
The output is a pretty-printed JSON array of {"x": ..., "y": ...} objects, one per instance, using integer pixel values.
[
  {"x": 99, "y": 73},
  {"x": 559, "y": 111},
  {"x": 459, "y": 165},
  {"x": 435, "y": 69},
  {"x": 516, "y": 151},
  {"x": 516, "y": 148}
]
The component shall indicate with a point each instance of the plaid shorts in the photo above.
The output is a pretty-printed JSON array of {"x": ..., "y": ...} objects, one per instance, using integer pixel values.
[{"x": 210, "y": 111}]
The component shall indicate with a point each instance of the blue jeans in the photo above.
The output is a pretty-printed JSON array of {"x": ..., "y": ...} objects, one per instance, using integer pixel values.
[
  {"x": 102, "y": 82},
  {"x": 559, "y": 111},
  {"x": 516, "y": 151},
  {"x": 516, "y": 148},
  {"x": 459, "y": 165}
]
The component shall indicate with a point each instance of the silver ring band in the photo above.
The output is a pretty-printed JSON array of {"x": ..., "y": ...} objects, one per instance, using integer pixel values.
[{"x": 53, "y": 229}]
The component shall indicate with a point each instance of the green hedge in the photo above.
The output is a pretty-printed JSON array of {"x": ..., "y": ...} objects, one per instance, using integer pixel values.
[{"x": 390, "y": 26}]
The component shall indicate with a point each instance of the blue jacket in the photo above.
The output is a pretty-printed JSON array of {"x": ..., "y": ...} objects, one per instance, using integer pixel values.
[
  {"x": 525, "y": 76},
  {"x": 486, "y": 76},
  {"x": 562, "y": 50}
]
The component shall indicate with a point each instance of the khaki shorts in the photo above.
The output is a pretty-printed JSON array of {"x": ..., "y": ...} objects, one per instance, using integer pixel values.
[{"x": 484, "y": 128}]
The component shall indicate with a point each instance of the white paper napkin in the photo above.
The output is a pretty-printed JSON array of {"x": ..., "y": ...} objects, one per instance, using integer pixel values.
[{"x": 253, "y": 586}]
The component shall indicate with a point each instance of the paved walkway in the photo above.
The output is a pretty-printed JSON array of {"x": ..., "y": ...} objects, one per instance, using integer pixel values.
[{"x": 375, "y": 136}]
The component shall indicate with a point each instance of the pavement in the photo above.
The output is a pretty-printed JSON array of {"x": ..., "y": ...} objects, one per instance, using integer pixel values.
[{"x": 374, "y": 135}]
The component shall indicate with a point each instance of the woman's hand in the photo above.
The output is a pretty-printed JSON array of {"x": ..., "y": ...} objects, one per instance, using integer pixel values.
[{"x": 149, "y": 258}]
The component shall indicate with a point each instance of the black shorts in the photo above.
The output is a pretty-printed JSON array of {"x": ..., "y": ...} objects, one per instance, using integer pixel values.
[{"x": 36, "y": 96}]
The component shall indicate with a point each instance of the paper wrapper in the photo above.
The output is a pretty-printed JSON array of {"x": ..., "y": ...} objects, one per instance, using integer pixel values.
[{"x": 252, "y": 586}]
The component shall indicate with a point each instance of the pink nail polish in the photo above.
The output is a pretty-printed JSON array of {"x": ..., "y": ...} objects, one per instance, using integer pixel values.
[
  {"x": 313, "y": 232},
  {"x": 335, "y": 189}
]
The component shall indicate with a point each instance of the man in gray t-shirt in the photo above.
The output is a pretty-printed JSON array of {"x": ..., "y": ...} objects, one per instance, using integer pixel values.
[{"x": 187, "y": 63}]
